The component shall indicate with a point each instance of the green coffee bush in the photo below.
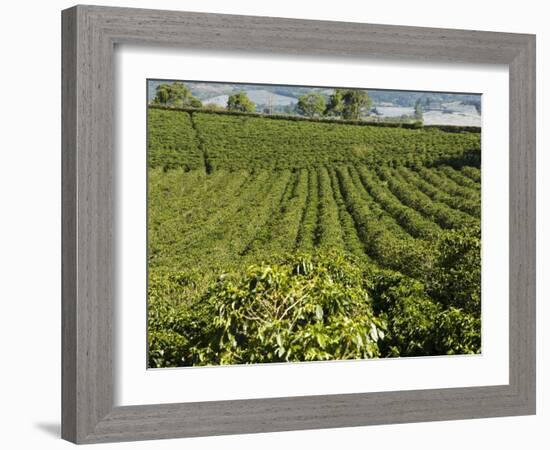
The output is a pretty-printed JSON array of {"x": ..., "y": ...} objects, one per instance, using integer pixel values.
[
  {"x": 301, "y": 308},
  {"x": 306, "y": 308}
]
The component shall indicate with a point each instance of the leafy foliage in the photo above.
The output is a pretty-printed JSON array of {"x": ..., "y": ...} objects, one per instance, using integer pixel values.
[
  {"x": 240, "y": 102},
  {"x": 302, "y": 308},
  {"x": 172, "y": 141},
  {"x": 348, "y": 103},
  {"x": 417, "y": 324},
  {"x": 306, "y": 308},
  {"x": 402, "y": 302},
  {"x": 175, "y": 94},
  {"x": 311, "y": 104},
  {"x": 456, "y": 278}
]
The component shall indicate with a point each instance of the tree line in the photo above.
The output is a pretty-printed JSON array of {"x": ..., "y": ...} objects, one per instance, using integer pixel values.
[{"x": 348, "y": 104}]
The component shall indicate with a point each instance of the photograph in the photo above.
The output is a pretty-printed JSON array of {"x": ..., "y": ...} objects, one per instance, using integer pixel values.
[{"x": 296, "y": 223}]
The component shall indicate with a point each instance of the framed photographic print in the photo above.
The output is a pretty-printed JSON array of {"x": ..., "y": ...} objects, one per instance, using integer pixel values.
[
  {"x": 294, "y": 223},
  {"x": 268, "y": 222}
]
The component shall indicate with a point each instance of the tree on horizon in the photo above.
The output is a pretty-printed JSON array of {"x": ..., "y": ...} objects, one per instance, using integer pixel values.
[
  {"x": 240, "y": 102},
  {"x": 175, "y": 94},
  {"x": 311, "y": 104},
  {"x": 348, "y": 103}
]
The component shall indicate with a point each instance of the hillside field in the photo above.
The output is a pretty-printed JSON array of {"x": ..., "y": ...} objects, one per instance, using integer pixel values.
[{"x": 275, "y": 240}]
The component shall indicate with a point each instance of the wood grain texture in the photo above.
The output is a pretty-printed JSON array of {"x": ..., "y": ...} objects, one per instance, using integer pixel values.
[
  {"x": 68, "y": 225},
  {"x": 522, "y": 193},
  {"x": 89, "y": 36}
]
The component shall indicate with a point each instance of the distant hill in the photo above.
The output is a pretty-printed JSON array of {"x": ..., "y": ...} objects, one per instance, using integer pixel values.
[
  {"x": 258, "y": 97},
  {"x": 409, "y": 98}
]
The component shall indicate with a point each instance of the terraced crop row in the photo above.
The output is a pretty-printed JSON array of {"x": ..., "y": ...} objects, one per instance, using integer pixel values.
[
  {"x": 281, "y": 186},
  {"x": 229, "y": 194},
  {"x": 211, "y": 223},
  {"x": 218, "y": 141},
  {"x": 172, "y": 141}
]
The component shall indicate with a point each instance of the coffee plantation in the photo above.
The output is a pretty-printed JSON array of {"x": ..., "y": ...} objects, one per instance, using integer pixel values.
[{"x": 279, "y": 240}]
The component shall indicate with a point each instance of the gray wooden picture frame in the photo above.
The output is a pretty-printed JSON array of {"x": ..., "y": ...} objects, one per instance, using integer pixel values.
[{"x": 89, "y": 36}]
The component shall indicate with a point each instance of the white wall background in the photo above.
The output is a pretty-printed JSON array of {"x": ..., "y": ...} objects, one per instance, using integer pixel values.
[{"x": 30, "y": 237}]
